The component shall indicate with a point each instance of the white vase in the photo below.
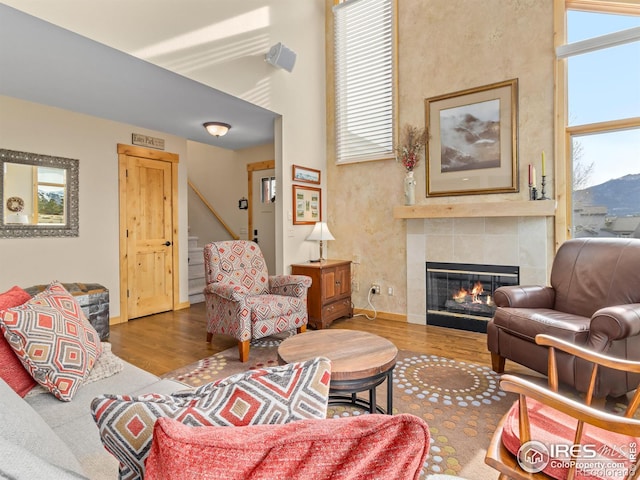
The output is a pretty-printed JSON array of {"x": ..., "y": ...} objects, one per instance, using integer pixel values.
[{"x": 409, "y": 189}]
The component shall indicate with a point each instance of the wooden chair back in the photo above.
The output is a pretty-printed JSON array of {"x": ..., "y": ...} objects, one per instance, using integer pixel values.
[{"x": 585, "y": 412}]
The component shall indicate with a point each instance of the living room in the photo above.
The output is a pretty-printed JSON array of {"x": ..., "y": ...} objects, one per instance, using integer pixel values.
[
  {"x": 443, "y": 47},
  {"x": 380, "y": 240}
]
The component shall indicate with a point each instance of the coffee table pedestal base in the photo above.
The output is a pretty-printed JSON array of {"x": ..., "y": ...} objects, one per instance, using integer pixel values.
[{"x": 344, "y": 392}]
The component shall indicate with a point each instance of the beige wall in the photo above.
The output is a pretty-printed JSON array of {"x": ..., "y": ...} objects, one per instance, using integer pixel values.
[
  {"x": 93, "y": 256},
  {"x": 444, "y": 47},
  {"x": 221, "y": 177}
]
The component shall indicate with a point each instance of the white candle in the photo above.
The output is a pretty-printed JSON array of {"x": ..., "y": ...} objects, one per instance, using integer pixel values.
[{"x": 533, "y": 183}]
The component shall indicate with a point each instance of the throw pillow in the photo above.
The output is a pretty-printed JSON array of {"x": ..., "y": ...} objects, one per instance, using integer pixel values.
[
  {"x": 13, "y": 297},
  {"x": 11, "y": 369},
  {"x": 107, "y": 365},
  {"x": 268, "y": 396},
  {"x": 53, "y": 339},
  {"x": 351, "y": 448}
]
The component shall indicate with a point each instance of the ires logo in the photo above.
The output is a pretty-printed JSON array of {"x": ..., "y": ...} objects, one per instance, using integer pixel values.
[
  {"x": 535, "y": 456},
  {"x": 565, "y": 452}
]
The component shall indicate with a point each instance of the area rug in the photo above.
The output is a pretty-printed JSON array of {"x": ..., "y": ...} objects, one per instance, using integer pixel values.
[{"x": 461, "y": 402}]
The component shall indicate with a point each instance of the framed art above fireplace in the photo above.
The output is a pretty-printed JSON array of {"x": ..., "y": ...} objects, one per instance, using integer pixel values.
[{"x": 472, "y": 146}]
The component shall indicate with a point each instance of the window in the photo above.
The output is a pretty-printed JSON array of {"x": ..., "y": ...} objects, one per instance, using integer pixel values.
[
  {"x": 602, "y": 125},
  {"x": 364, "y": 79},
  {"x": 51, "y": 191},
  {"x": 268, "y": 189}
]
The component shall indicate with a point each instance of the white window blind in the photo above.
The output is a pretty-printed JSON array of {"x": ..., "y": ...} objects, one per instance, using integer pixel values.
[{"x": 363, "y": 45}]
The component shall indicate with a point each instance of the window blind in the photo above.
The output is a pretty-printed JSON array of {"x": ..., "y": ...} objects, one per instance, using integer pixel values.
[{"x": 364, "y": 103}]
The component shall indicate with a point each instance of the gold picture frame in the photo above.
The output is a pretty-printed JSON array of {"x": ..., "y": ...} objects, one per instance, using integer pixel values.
[
  {"x": 472, "y": 147},
  {"x": 307, "y": 205}
]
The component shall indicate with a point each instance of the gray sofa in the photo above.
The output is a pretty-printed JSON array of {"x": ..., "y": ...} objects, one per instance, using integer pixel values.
[{"x": 42, "y": 437}]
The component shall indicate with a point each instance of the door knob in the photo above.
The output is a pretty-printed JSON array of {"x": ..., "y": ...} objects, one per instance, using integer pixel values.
[{"x": 167, "y": 243}]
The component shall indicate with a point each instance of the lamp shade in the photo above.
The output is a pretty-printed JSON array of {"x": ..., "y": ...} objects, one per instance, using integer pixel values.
[
  {"x": 320, "y": 232},
  {"x": 217, "y": 129}
]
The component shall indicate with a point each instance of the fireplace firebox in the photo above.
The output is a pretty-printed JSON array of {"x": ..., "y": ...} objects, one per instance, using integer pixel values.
[{"x": 460, "y": 295}]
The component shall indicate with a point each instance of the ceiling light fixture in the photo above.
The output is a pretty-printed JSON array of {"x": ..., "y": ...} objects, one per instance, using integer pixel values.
[{"x": 217, "y": 129}]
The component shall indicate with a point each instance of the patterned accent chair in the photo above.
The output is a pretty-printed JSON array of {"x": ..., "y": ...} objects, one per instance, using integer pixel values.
[{"x": 244, "y": 301}]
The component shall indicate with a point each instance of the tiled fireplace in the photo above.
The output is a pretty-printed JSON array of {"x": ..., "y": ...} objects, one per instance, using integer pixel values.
[
  {"x": 525, "y": 242},
  {"x": 460, "y": 295}
]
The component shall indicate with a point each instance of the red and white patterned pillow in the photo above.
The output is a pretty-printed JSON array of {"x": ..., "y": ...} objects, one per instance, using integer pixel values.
[
  {"x": 11, "y": 369},
  {"x": 53, "y": 339},
  {"x": 350, "y": 448},
  {"x": 266, "y": 396}
]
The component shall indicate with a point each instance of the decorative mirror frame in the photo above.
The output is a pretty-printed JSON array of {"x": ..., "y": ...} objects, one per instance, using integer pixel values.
[{"x": 72, "y": 166}]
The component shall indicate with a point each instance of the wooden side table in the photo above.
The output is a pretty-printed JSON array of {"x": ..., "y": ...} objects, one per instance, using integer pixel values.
[
  {"x": 360, "y": 361},
  {"x": 329, "y": 297}
]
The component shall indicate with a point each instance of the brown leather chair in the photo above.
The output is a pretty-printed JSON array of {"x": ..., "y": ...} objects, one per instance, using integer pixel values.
[{"x": 593, "y": 302}]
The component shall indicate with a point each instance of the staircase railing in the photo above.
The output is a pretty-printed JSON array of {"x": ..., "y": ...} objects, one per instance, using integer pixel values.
[{"x": 213, "y": 211}]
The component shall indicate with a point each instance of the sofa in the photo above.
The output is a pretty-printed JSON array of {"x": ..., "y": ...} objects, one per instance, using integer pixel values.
[
  {"x": 40, "y": 433},
  {"x": 120, "y": 421}
]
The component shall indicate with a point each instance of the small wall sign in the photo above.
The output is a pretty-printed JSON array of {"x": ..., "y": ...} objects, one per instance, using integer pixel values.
[{"x": 147, "y": 141}]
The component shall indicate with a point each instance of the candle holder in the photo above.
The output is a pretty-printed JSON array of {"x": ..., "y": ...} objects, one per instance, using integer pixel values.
[
  {"x": 543, "y": 195},
  {"x": 533, "y": 192}
]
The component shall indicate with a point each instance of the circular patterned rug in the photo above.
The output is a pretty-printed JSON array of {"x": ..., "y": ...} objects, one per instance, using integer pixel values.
[
  {"x": 461, "y": 402},
  {"x": 447, "y": 381}
]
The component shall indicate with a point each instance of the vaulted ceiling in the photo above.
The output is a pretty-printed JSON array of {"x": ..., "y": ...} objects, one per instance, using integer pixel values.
[{"x": 48, "y": 64}]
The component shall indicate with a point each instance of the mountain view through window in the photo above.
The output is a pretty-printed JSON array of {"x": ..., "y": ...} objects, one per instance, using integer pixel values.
[{"x": 604, "y": 127}]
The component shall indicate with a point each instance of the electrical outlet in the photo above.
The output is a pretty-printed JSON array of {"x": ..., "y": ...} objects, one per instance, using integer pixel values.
[
  {"x": 390, "y": 291},
  {"x": 355, "y": 286},
  {"x": 375, "y": 288}
]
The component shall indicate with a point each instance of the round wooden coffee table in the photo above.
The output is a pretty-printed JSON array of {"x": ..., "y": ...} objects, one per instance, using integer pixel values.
[{"x": 360, "y": 361}]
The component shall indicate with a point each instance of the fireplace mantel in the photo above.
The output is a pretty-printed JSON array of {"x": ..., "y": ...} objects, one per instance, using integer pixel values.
[{"x": 520, "y": 208}]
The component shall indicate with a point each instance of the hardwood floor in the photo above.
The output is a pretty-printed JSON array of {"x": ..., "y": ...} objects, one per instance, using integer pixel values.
[{"x": 166, "y": 341}]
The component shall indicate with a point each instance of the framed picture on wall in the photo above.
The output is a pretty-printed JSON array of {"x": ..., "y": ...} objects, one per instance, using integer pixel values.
[
  {"x": 473, "y": 141},
  {"x": 307, "y": 175},
  {"x": 307, "y": 205}
]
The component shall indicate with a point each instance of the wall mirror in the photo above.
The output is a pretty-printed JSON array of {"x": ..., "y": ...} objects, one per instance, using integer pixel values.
[{"x": 39, "y": 195}]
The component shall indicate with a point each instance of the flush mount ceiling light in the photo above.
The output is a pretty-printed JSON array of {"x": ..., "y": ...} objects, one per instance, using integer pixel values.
[{"x": 217, "y": 129}]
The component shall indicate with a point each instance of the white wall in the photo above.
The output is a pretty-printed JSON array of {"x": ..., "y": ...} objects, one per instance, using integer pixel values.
[
  {"x": 223, "y": 44},
  {"x": 221, "y": 177},
  {"x": 92, "y": 257},
  {"x": 298, "y": 96}
]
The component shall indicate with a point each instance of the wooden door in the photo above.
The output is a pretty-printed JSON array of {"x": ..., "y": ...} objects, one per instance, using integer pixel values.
[
  {"x": 329, "y": 284},
  {"x": 343, "y": 279},
  {"x": 148, "y": 217}
]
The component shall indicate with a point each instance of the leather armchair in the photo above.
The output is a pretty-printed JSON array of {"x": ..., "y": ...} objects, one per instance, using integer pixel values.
[
  {"x": 244, "y": 301},
  {"x": 593, "y": 301}
]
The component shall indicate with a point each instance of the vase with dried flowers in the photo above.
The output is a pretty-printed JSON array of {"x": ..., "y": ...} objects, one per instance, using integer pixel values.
[{"x": 408, "y": 153}]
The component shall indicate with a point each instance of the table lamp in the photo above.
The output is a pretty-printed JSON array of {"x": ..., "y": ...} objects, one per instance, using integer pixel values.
[{"x": 320, "y": 232}]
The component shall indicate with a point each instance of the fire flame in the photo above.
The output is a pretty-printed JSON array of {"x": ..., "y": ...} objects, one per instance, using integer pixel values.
[{"x": 461, "y": 295}]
